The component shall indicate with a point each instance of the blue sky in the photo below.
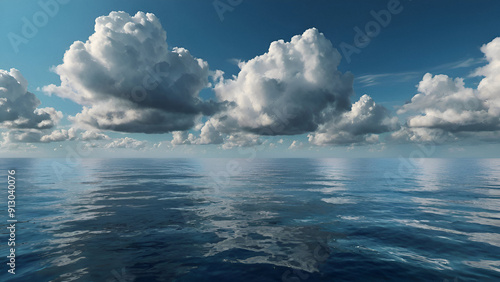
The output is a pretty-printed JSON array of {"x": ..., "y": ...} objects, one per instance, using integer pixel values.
[{"x": 439, "y": 37}]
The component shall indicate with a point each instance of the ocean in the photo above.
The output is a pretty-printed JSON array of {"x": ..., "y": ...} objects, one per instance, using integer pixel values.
[{"x": 253, "y": 220}]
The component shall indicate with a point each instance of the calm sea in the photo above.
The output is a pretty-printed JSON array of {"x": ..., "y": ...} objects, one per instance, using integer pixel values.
[{"x": 254, "y": 220}]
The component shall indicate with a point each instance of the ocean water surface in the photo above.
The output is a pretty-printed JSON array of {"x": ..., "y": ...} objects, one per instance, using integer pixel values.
[{"x": 254, "y": 220}]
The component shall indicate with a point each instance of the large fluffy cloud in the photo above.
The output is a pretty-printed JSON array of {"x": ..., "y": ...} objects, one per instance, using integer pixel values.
[
  {"x": 128, "y": 80},
  {"x": 18, "y": 107},
  {"x": 445, "y": 107},
  {"x": 446, "y": 103},
  {"x": 296, "y": 88},
  {"x": 489, "y": 87},
  {"x": 291, "y": 89},
  {"x": 361, "y": 124}
]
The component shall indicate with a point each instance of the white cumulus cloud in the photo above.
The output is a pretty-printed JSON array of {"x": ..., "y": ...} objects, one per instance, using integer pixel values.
[
  {"x": 445, "y": 109},
  {"x": 93, "y": 135},
  {"x": 128, "y": 80},
  {"x": 361, "y": 124},
  {"x": 59, "y": 135},
  {"x": 291, "y": 89},
  {"x": 19, "y": 107},
  {"x": 127, "y": 143},
  {"x": 296, "y": 88}
]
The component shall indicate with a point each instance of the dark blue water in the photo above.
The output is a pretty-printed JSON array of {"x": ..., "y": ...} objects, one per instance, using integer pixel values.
[{"x": 255, "y": 220}]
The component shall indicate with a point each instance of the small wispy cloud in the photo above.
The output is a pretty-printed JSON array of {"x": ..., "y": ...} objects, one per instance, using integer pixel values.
[
  {"x": 465, "y": 63},
  {"x": 374, "y": 79},
  {"x": 296, "y": 145}
]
